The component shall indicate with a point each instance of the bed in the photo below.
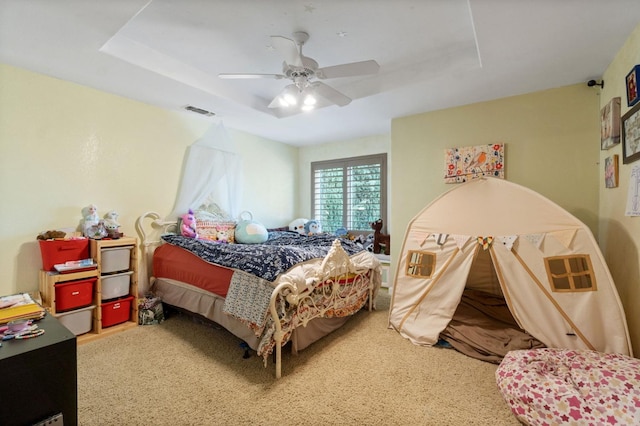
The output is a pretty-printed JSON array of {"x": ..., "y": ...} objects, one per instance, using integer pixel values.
[
  {"x": 292, "y": 288},
  {"x": 580, "y": 387}
]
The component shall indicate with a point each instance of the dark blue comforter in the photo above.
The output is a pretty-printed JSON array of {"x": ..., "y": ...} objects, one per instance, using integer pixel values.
[{"x": 278, "y": 254}]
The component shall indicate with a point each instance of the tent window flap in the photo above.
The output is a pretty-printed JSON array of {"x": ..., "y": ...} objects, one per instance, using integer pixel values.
[
  {"x": 570, "y": 273},
  {"x": 420, "y": 264}
]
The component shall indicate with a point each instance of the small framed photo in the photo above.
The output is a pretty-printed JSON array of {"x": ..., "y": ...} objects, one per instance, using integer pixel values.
[
  {"x": 611, "y": 172},
  {"x": 632, "y": 86},
  {"x": 631, "y": 135},
  {"x": 610, "y": 124}
]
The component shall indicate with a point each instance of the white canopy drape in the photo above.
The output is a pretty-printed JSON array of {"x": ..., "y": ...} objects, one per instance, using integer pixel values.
[{"x": 212, "y": 174}]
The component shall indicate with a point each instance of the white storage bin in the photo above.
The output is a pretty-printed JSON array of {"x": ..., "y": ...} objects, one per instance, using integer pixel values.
[
  {"x": 115, "y": 259},
  {"x": 116, "y": 285},
  {"x": 78, "y": 321}
]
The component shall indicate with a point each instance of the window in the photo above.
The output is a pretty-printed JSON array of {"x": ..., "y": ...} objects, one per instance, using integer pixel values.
[
  {"x": 570, "y": 273},
  {"x": 420, "y": 264},
  {"x": 350, "y": 192}
]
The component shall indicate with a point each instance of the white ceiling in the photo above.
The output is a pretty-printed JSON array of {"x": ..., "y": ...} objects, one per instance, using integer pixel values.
[{"x": 433, "y": 54}]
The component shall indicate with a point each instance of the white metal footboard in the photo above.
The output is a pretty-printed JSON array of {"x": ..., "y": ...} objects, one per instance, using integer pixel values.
[{"x": 339, "y": 288}]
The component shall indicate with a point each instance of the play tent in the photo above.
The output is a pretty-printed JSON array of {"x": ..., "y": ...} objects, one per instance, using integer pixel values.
[{"x": 500, "y": 238}]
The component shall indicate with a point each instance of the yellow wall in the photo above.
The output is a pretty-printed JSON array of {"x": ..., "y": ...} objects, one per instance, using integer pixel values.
[
  {"x": 619, "y": 234},
  {"x": 270, "y": 178},
  {"x": 64, "y": 146},
  {"x": 551, "y": 146}
]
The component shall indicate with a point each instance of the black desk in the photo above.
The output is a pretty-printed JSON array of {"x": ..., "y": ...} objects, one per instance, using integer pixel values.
[{"x": 39, "y": 377}]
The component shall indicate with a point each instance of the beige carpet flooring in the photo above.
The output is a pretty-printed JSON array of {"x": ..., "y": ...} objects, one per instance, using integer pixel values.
[{"x": 185, "y": 373}]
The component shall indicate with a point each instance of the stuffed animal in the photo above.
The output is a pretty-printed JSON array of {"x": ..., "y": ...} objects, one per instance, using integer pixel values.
[
  {"x": 90, "y": 214},
  {"x": 312, "y": 227},
  {"x": 112, "y": 217},
  {"x": 188, "y": 226},
  {"x": 380, "y": 239},
  {"x": 222, "y": 234},
  {"x": 342, "y": 232},
  {"x": 90, "y": 220},
  {"x": 111, "y": 224},
  {"x": 51, "y": 235},
  {"x": 297, "y": 225},
  {"x": 249, "y": 231}
]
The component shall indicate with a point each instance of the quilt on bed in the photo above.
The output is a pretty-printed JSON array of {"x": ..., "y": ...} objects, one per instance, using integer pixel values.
[
  {"x": 278, "y": 254},
  {"x": 578, "y": 387}
]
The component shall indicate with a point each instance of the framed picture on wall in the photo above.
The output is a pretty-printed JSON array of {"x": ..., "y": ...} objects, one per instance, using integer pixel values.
[
  {"x": 610, "y": 124},
  {"x": 632, "y": 86},
  {"x": 631, "y": 135},
  {"x": 462, "y": 164},
  {"x": 611, "y": 172}
]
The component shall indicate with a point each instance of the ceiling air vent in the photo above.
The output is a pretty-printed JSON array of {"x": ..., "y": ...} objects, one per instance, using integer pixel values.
[{"x": 200, "y": 111}]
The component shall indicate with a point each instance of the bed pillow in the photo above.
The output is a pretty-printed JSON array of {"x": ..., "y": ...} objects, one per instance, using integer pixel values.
[
  {"x": 216, "y": 231},
  {"x": 214, "y": 224}
]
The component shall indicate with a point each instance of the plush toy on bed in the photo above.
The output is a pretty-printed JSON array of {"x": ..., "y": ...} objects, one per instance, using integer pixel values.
[
  {"x": 312, "y": 227},
  {"x": 222, "y": 234},
  {"x": 188, "y": 226},
  {"x": 249, "y": 231},
  {"x": 297, "y": 225}
]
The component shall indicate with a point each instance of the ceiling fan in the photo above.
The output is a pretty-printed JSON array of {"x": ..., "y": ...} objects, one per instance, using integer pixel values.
[{"x": 305, "y": 92}]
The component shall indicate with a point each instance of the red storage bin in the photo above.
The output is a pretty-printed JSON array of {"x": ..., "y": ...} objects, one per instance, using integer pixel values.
[
  {"x": 74, "y": 294},
  {"x": 55, "y": 252},
  {"x": 116, "y": 311}
]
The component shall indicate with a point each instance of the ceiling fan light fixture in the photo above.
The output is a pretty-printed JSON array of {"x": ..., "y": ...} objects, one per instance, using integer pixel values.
[
  {"x": 282, "y": 101},
  {"x": 310, "y": 100},
  {"x": 307, "y": 107},
  {"x": 289, "y": 99},
  {"x": 290, "y": 96}
]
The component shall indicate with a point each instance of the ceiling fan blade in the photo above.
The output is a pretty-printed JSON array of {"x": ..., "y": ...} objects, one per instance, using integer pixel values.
[
  {"x": 232, "y": 75},
  {"x": 277, "y": 101},
  {"x": 348, "y": 70},
  {"x": 289, "y": 50},
  {"x": 331, "y": 94},
  {"x": 287, "y": 97}
]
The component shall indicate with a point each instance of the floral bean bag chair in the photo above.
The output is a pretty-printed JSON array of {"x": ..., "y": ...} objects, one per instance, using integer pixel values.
[{"x": 570, "y": 387}]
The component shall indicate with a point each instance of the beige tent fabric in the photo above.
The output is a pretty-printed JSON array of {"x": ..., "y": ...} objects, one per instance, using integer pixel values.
[{"x": 510, "y": 214}]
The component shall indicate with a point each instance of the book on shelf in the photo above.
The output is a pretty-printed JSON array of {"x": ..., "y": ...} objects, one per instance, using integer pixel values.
[{"x": 19, "y": 306}]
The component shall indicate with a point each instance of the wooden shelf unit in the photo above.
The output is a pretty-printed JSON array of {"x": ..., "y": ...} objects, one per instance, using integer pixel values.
[
  {"x": 48, "y": 280},
  {"x": 95, "y": 249}
]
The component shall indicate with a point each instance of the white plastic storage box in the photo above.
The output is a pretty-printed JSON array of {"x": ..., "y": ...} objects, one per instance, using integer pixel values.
[
  {"x": 115, "y": 259},
  {"x": 116, "y": 285},
  {"x": 78, "y": 321}
]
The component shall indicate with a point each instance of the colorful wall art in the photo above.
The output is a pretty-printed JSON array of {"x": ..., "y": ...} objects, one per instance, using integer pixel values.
[
  {"x": 611, "y": 172},
  {"x": 610, "y": 124},
  {"x": 465, "y": 163}
]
